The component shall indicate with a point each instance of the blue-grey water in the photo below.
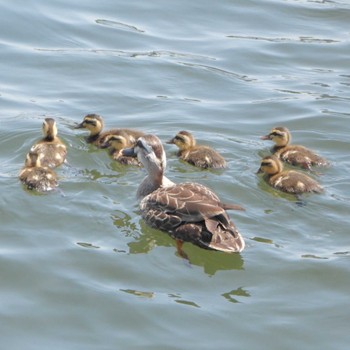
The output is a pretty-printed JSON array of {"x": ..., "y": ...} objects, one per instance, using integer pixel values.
[{"x": 79, "y": 269}]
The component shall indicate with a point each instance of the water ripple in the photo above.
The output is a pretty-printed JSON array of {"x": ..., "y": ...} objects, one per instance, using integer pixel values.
[
  {"x": 220, "y": 71},
  {"x": 302, "y": 39},
  {"x": 132, "y": 54},
  {"x": 118, "y": 25}
]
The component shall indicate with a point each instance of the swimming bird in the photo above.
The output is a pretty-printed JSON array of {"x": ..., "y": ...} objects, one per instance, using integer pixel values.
[
  {"x": 94, "y": 123},
  {"x": 292, "y": 154},
  {"x": 197, "y": 155},
  {"x": 290, "y": 181},
  {"x": 50, "y": 149},
  {"x": 115, "y": 145},
  {"x": 189, "y": 212},
  {"x": 35, "y": 176}
]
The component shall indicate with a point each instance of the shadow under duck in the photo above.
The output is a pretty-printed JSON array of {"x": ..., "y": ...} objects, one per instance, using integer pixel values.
[
  {"x": 189, "y": 212},
  {"x": 198, "y": 155},
  {"x": 94, "y": 123},
  {"x": 51, "y": 150},
  {"x": 289, "y": 181},
  {"x": 35, "y": 176},
  {"x": 292, "y": 154}
]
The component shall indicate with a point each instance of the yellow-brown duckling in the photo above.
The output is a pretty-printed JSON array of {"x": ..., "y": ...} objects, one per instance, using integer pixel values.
[
  {"x": 35, "y": 176},
  {"x": 51, "y": 150},
  {"x": 292, "y": 154},
  {"x": 116, "y": 144},
  {"x": 94, "y": 123},
  {"x": 197, "y": 155},
  {"x": 289, "y": 181}
]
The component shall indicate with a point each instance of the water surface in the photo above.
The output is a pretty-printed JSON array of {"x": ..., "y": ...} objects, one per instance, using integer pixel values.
[{"x": 79, "y": 268}]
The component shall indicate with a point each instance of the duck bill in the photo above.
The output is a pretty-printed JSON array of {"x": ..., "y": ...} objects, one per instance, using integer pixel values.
[
  {"x": 266, "y": 137},
  {"x": 171, "y": 141},
  {"x": 129, "y": 152},
  {"x": 79, "y": 126},
  {"x": 259, "y": 171},
  {"x": 104, "y": 145}
]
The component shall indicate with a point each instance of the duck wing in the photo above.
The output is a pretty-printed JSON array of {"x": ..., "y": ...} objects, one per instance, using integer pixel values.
[
  {"x": 205, "y": 157},
  {"x": 189, "y": 201},
  {"x": 192, "y": 212},
  {"x": 300, "y": 155},
  {"x": 51, "y": 154}
]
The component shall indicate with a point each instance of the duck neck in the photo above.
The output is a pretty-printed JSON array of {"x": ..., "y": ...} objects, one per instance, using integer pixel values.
[
  {"x": 92, "y": 137},
  {"x": 150, "y": 183}
]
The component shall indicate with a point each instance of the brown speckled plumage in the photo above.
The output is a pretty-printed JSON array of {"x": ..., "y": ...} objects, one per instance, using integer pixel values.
[
  {"x": 292, "y": 154},
  {"x": 197, "y": 155},
  {"x": 289, "y": 181},
  {"x": 94, "y": 123},
  {"x": 35, "y": 176},
  {"x": 189, "y": 212},
  {"x": 51, "y": 150}
]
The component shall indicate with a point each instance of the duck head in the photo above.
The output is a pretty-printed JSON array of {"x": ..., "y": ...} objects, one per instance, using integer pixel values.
[
  {"x": 183, "y": 139},
  {"x": 117, "y": 142},
  {"x": 92, "y": 122},
  {"x": 32, "y": 160},
  {"x": 279, "y": 135},
  {"x": 270, "y": 165},
  {"x": 150, "y": 153},
  {"x": 49, "y": 129}
]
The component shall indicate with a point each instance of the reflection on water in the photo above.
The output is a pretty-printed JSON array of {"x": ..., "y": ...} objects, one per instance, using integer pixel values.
[
  {"x": 80, "y": 271},
  {"x": 211, "y": 261},
  {"x": 118, "y": 25},
  {"x": 233, "y": 294},
  {"x": 138, "y": 293}
]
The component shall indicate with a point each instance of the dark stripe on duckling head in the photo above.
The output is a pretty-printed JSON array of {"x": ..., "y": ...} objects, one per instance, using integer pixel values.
[
  {"x": 90, "y": 119},
  {"x": 270, "y": 165}
]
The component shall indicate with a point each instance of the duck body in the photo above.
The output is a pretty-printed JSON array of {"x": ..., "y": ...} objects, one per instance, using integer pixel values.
[
  {"x": 293, "y": 154},
  {"x": 193, "y": 213},
  {"x": 197, "y": 155},
  {"x": 289, "y": 181},
  {"x": 51, "y": 150},
  {"x": 189, "y": 211},
  {"x": 94, "y": 123},
  {"x": 37, "y": 177}
]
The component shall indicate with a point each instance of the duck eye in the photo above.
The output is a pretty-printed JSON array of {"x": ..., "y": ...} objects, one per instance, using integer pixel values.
[
  {"x": 266, "y": 164},
  {"x": 139, "y": 144},
  {"x": 178, "y": 138}
]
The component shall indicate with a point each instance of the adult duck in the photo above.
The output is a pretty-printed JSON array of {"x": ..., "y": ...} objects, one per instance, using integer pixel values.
[{"x": 189, "y": 212}]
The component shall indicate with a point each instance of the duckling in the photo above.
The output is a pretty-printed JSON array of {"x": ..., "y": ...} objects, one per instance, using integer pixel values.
[
  {"x": 197, "y": 155},
  {"x": 289, "y": 181},
  {"x": 116, "y": 143},
  {"x": 35, "y": 176},
  {"x": 189, "y": 212},
  {"x": 292, "y": 154},
  {"x": 94, "y": 123},
  {"x": 51, "y": 150}
]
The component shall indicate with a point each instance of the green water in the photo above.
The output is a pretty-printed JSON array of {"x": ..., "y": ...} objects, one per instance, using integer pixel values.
[{"x": 80, "y": 269}]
